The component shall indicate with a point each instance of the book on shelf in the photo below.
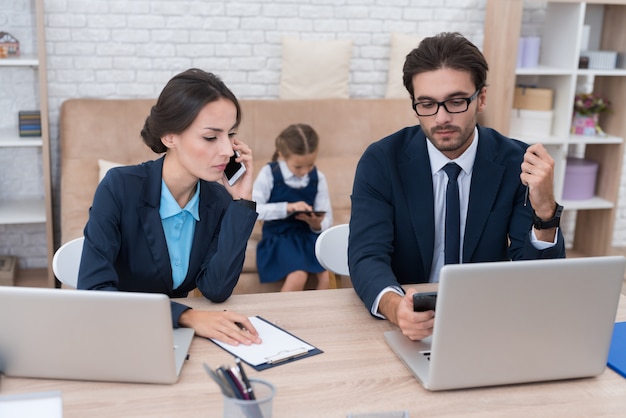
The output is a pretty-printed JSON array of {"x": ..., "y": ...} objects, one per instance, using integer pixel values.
[
  {"x": 30, "y": 134},
  {"x": 29, "y": 122},
  {"x": 29, "y": 116},
  {"x": 29, "y": 113},
  {"x": 30, "y": 126}
]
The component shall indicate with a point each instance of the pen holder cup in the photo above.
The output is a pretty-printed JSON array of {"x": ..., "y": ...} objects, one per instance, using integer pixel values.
[{"x": 261, "y": 407}]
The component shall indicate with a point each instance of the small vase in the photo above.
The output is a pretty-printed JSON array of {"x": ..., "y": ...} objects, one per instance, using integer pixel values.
[{"x": 586, "y": 125}]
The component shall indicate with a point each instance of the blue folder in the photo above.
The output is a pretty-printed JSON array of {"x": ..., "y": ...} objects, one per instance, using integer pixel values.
[{"x": 617, "y": 352}]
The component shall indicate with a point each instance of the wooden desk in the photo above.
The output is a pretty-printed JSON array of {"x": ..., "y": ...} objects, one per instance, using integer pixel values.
[{"x": 357, "y": 372}]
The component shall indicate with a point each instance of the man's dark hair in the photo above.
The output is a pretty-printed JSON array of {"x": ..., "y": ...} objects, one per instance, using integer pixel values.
[{"x": 445, "y": 50}]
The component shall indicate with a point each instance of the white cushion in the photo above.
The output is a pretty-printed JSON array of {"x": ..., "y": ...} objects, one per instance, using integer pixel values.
[
  {"x": 104, "y": 166},
  {"x": 315, "y": 69},
  {"x": 401, "y": 45}
]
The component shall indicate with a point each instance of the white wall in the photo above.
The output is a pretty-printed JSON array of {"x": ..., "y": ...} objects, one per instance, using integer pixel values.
[{"x": 130, "y": 48}]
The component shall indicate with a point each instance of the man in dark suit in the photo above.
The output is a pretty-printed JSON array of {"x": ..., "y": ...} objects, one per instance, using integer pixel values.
[{"x": 505, "y": 205}]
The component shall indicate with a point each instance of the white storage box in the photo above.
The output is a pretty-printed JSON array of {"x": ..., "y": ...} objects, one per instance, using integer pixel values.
[
  {"x": 531, "y": 123},
  {"x": 601, "y": 60}
]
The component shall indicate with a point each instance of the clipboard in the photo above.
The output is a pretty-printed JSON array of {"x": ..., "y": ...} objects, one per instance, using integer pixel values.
[
  {"x": 278, "y": 347},
  {"x": 617, "y": 352}
]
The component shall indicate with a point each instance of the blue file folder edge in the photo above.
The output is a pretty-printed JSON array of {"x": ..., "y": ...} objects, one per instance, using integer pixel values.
[{"x": 617, "y": 352}]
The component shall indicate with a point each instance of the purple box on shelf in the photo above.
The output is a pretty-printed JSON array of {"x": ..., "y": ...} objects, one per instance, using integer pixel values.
[{"x": 580, "y": 179}]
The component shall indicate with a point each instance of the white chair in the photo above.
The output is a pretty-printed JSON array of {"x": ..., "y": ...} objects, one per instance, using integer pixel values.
[
  {"x": 66, "y": 262},
  {"x": 331, "y": 250}
]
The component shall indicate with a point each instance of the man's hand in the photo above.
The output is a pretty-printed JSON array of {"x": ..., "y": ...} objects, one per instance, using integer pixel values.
[
  {"x": 399, "y": 310},
  {"x": 538, "y": 175}
]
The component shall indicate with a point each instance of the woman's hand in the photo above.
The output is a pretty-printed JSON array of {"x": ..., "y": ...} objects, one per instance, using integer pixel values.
[
  {"x": 242, "y": 189},
  {"x": 229, "y": 327}
]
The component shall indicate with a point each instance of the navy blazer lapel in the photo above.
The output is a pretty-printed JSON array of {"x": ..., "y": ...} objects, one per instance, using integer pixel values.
[
  {"x": 151, "y": 221},
  {"x": 486, "y": 178},
  {"x": 417, "y": 184},
  {"x": 205, "y": 228}
]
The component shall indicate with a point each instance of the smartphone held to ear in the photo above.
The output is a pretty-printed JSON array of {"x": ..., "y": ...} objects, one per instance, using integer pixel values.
[{"x": 234, "y": 170}]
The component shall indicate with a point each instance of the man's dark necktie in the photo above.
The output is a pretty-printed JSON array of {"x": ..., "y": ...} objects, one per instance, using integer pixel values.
[{"x": 453, "y": 215}]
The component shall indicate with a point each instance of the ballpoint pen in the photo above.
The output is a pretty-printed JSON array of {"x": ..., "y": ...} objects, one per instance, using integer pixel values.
[
  {"x": 225, "y": 373},
  {"x": 239, "y": 386},
  {"x": 244, "y": 377},
  {"x": 526, "y": 195},
  {"x": 223, "y": 385}
]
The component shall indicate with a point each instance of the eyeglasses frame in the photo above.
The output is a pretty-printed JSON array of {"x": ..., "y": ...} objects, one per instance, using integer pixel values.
[{"x": 468, "y": 100}]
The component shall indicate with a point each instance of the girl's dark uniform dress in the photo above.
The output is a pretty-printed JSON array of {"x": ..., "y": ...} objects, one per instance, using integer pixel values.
[{"x": 287, "y": 244}]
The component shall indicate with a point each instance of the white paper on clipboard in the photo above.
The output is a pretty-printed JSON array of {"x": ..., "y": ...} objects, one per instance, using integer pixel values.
[{"x": 277, "y": 345}]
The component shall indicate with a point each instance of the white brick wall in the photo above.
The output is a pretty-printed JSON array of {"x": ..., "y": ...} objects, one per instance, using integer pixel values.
[{"x": 130, "y": 48}]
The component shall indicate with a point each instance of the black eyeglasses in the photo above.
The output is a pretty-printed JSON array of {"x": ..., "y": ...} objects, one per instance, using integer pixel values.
[{"x": 456, "y": 105}]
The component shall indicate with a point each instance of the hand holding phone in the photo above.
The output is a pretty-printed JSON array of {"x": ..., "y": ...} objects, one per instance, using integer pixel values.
[
  {"x": 308, "y": 212},
  {"x": 424, "y": 301},
  {"x": 234, "y": 170}
]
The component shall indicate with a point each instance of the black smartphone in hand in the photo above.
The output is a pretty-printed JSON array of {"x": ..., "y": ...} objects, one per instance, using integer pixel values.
[{"x": 424, "y": 301}]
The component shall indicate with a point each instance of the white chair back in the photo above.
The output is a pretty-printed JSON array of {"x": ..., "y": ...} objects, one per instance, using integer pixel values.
[
  {"x": 331, "y": 249},
  {"x": 66, "y": 262}
]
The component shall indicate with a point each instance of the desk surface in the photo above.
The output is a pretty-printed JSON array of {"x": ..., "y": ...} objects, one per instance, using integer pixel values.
[{"x": 357, "y": 373}]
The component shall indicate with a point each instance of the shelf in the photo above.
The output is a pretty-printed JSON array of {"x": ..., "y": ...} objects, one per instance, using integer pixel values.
[
  {"x": 23, "y": 211},
  {"x": 591, "y": 140},
  {"x": 544, "y": 70},
  {"x": 562, "y": 37},
  {"x": 618, "y": 72},
  {"x": 570, "y": 140},
  {"x": 9, "y": 137},
  {"x": 22, "y": 61},
  {"x": 588, "y": 204},
  {"x": 544, "y": 140}
]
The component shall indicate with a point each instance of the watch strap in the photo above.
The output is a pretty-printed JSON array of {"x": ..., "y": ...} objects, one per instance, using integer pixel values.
[{"x": 554, "y": 222}]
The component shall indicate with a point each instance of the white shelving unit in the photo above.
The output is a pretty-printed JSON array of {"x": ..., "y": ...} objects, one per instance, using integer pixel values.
[
  {"x": 561, "y": 41},
  {"x": 30, "y": 210}
]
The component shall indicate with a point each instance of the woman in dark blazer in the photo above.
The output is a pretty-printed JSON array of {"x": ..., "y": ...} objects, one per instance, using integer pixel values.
[{"x": 174, "y": 224}]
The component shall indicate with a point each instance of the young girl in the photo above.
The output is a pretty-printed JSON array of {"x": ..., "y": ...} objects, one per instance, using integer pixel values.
[{"x": 284, "y": 188}]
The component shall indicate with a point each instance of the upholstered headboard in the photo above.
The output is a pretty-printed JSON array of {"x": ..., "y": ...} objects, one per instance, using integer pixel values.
[{"x": 94, "y": 129}]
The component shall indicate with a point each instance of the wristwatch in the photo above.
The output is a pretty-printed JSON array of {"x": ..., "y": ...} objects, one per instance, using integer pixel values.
[{"x": 538, "y": 223}]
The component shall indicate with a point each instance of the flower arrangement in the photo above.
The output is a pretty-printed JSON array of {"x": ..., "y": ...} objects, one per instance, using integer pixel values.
[
  {"x": 589, "y": 104},
  {"x": 587, "y": 108}
]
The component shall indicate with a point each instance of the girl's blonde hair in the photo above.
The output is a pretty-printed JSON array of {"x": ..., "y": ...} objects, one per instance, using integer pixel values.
[{"x": 298, "y": 139}]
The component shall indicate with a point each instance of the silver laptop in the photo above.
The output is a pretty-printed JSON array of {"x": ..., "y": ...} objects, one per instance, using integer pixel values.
[
  {"x": 90, "y": 335},
  {"x": 517, "y": 322}
]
